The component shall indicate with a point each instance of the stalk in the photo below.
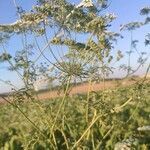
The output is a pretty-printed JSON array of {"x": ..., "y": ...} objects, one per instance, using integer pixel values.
[{"x": 61, "y": 105}]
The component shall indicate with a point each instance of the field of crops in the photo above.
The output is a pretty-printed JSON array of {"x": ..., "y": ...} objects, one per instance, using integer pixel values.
[{"x": 98, "y": 120}]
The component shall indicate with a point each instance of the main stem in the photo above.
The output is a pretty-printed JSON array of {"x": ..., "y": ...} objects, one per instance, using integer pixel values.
[{"x": 62, "y": 102}]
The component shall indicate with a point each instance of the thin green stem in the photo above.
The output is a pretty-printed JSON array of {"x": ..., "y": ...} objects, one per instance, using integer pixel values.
[
  {"x": 62, "y": 102},
  {"x": 85, "y": 132},
  {"x": 88, "y": 98}
]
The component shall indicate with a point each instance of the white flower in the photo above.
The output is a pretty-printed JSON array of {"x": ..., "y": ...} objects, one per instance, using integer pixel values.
[
  {"x": 144, "y": 128},
  {"x": 85, "y": 3}
]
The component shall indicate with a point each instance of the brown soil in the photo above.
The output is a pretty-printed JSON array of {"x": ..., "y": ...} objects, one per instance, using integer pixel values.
[{"x": 83, "y": 88}]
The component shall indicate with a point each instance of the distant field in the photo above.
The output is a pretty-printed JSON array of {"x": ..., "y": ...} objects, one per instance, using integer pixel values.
[{"x": 83, "y": 88}]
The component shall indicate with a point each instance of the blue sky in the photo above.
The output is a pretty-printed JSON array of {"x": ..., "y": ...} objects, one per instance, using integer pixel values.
[{"x": 125, "y": 10}]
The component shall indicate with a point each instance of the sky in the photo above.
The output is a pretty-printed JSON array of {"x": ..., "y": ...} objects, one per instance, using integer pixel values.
[{"x": 125, "y": 10}]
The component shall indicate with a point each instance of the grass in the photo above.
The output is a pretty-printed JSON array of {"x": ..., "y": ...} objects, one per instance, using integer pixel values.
[{"x": 113, "y": 116}]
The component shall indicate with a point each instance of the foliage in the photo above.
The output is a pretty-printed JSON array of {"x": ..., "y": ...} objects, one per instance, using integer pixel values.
[{"x": 110, "y": 128}]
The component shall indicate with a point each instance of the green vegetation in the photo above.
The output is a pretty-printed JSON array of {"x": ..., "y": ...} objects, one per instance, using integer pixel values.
[{"x": 113, "y": 116}]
